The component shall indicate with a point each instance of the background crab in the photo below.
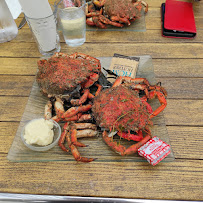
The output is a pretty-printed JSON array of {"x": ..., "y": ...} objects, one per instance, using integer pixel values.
[
  {"x": 114, "y": 12},
  {"x": 121, "y": 109}
]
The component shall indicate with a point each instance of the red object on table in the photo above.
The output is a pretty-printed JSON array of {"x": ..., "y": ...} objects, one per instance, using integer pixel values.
[
  {"x": 178, "y": 19},
  {"x": 154, "y": 150}
]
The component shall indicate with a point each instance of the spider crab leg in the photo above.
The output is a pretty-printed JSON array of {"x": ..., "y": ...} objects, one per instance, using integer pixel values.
[
  {"x": 92, "y": 79},
  {"x": 56, "y": 118},
  {"x": 93, "y": 17},
  {"x": 122, "y": 79},
  {"x": 86, "y": 133},
  {"x": 139, "y": 2},
  {"x": 113, "y": 144},
  {"x": 71, "y": 133},
  {"x": 129, "y": 136},
  {"x": 162, "y": 100},
  {"x": 48, "y": 110},
  {"x": 58, "y": 106},
  {"x": 86, "y": 94},
  {"x": 77, "y": 102},
  {"x": 133, "y": 148},
  {"x": 161, "y": 94},
  {"x": 77, "y": 155},
  {"x": 73, "y": 143},
  {"x": 105, "y": 20},
  {"x": 135, "y": 86},
  {"x": 120, "y": 148},
  {"x": 146, "y": 6},
  {"x": 74, "y": 118},
  {"x": 120, "y": 19},
  {"x": 75, "y": 110},
  {"x": 94, "y": 21},
  {"x": 78, "y": 117},
  {"x": 85, "y": 117},
  {"x": 63, "y": 137}
]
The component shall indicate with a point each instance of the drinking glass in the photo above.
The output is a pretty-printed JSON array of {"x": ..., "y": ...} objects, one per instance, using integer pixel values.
[
  {"x": 45, "y": 33},
  {"x": 72, "y": 19},
  {"x": 8, "y": 28}
]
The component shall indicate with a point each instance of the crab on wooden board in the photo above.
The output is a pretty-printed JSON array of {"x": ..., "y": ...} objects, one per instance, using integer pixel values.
[
  {"x": 114, "y": 12},
  {"x": 62, "y": 75},
  {"x": 117, "y": 109},
  {"x": 120, "y": 109}
]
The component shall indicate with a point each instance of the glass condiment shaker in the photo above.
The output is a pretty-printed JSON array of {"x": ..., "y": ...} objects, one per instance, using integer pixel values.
[{"x": 8, "y": 27}]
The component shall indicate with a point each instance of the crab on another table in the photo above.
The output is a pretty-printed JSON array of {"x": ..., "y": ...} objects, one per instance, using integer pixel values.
[
  {"x": 114, "y": 12},
  {"x": 121, "y": 110}
]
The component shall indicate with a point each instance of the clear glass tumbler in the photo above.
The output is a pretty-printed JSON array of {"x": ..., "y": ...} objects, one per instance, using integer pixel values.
[
  {"x": 8, "y": 28},
  {"x": 45, "y": 33},
  {"x": 72, "y": 19}
]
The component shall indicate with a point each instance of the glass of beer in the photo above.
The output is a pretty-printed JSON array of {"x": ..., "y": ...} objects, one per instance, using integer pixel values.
[{"x": 72, "y": 19}]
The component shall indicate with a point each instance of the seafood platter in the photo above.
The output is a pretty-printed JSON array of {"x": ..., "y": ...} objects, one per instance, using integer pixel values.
[
  {"x": 99, "y": 120},
  {"x": 118, "y": 15}
]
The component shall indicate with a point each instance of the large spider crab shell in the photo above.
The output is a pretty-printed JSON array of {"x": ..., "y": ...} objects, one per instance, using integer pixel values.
[
  {"x": 60, "y": 73},
  {"x": 120, "y": 108},
  {"x": 125, "y": 8}
]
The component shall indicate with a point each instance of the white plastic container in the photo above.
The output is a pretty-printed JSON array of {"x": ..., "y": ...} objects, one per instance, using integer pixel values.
[{"x": 8, "y": 27}]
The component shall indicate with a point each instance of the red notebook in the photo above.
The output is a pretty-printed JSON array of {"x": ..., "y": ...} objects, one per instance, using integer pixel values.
[{"x": 178, "y": 19}]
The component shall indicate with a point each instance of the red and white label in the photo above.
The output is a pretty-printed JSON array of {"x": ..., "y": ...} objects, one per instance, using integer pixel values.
[{"x": 154, "y": 150}]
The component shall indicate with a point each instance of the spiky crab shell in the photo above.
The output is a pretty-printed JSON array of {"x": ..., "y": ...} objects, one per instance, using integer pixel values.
[
  {"x": 123, "y": 8},
  {"x": 120, "y": 108},
  {"x": 61, "y": 73}
]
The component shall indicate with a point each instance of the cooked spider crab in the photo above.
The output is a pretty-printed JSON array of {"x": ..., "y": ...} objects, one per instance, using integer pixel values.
[
  {"x": 63, "y": 75},
  {"x": 121, "y": 110},
  {"x": 114, "y": 12}
]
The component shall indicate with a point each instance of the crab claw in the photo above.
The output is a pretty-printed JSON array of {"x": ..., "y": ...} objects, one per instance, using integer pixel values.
[
  {"x": 77, "y": 156},
  {"x": 73, "y": 143}
]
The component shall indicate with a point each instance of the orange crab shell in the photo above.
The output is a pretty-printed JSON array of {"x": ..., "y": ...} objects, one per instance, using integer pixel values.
[
  {"x": 121, "y": 109},
  {"x": 123, "y": 9},
  {"x": 62, "y": 73}
]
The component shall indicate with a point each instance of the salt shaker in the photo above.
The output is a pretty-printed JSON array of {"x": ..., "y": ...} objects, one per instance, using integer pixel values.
[{"x": 8, "y": 27}]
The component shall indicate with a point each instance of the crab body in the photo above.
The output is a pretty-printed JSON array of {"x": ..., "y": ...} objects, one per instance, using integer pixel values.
[
  {"x": 120, "y": 110},
  {"x": 63, "y": 76},
  {"x": 62, "y": 73},
  {"x": 114, "y": 12}
]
